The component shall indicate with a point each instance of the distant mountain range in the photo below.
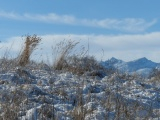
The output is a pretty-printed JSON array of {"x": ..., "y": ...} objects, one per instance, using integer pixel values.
[{"x": 141, "y": 66}]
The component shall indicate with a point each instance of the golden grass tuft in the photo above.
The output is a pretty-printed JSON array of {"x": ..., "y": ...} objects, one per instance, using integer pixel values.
[{"x": 30, "y": 44}]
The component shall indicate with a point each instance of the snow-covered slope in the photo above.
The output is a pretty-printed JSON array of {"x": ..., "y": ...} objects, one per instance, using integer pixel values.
[
  {"x": 141, "y": 66},
  {"x": 43, "y": 94},
  {"x": 39, "y": 92}
]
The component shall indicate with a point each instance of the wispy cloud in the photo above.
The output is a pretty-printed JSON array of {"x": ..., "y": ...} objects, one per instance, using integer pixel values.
[
  {"x": 126, "y": 47},
  {"x": 126, "y": 24},
  {"x": 10, "y": 15},
  {"x": 51, "y": 18}
]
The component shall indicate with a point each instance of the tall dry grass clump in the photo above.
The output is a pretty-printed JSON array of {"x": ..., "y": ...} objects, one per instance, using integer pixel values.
[
  {"x": 30, "y": 44},
  {"x": 81, "y": 63},
  {"x": 63, "y": 49}
]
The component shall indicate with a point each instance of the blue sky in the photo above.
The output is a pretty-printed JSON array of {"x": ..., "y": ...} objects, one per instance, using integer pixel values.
[{"x": 124, "y": 29}]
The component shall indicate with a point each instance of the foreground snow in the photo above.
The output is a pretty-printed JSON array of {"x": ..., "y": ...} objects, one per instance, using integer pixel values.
[{"x": 46, "y": 94}]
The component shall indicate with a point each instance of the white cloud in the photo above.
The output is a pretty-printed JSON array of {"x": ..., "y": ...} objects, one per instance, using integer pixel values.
[
  {"x": 125, "y": 47},
  {"x": 10, "y": 15},
  {"x": 126, "y": 24},
  {"x": 51, "y": 18}
]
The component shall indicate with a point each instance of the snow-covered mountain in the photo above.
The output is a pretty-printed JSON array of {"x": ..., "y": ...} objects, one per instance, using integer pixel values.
[{"x": 141, "y": 66}]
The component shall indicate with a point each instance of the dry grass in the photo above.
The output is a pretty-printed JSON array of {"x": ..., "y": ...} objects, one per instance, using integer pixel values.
[
  {"x": 63, "y": 49},
  {"x": 30, "y": 44},
  {"x": 80, "y": 63}
]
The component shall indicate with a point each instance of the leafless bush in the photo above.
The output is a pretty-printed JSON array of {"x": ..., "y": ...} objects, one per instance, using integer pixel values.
[
  {"x": 7, "y": 64},
  {"x": 9, "y": 113},
  {"x": 11, "y": 104},
  {"x": 47, "y": 112},
  {"x": 155, "y": 75},
  {"x": 81, "y": 65}
]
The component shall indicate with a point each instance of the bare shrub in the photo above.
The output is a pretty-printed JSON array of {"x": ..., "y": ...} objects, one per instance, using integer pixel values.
[
  {"x": 30, "y": 43},
  {"x": 155, "y": 77},
  {"x": 6, "y": 61},
  {"x": 81, "y": 65},
  {"x": 9, "y": 113},
  {"x": 7, "y": 64},
  {"x": 11, "y": 104},
  {"x": 47, "y": 111}
]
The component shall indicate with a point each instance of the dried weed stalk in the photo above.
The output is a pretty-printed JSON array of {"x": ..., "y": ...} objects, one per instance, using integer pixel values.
[{"x": 30, "y": 43}]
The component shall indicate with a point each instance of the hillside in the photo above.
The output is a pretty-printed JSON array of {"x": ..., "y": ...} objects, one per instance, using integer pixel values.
[
  {"x": 76, "y": 87},
  {"x": 39, "y": 92}
]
